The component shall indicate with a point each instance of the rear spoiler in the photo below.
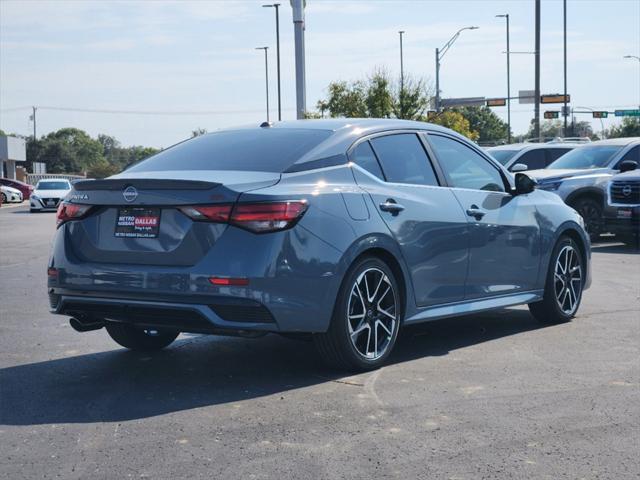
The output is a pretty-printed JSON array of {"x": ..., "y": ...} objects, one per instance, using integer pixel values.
[{"x": 117, "y": 184}]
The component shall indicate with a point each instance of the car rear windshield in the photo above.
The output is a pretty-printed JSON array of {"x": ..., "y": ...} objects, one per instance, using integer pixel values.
[
  {"x": 260, "y": 150},
  {"x": 53, "y": 186},
  {"x": 502, "y": 156},
  {"x": 592, "y": 156}
]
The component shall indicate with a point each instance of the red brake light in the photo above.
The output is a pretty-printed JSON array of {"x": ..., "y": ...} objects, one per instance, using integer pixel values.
[
  {"x": 267, "y": 217},
  {"x": 208, "y": 213},
  {"x": 228, "y": 281},
  {"x": 256, "y": 217},
  {"x": 71, "y": 211}
]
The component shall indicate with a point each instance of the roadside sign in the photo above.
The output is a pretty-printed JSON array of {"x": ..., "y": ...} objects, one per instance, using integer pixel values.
[
  {"x": 566, "y": 111},
  {"x": 527, "y": 97},
  {"x": 551, "y": 114},
  {"x": 600, "y": 114},
  {"x": 628, "y": 113},
  {"x": 496, "y": 102},
  {"x": 462, "y": 102},
  {"x": 554, "y": 98}
]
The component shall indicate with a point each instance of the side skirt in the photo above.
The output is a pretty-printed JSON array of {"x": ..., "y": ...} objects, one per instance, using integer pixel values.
[{"x": 474, "y": 306}]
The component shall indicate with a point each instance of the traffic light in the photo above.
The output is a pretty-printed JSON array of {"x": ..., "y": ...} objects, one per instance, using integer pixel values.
[
  {"x": 600, "y": 114},
  {"x": 549, "y": 115}
]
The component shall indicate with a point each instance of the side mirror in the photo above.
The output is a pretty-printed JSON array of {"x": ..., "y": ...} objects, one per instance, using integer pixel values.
[
  {"x": 628, "y": 165},
  {"x": 519, "y": 167},
  {"x": 524, "y": 184}
]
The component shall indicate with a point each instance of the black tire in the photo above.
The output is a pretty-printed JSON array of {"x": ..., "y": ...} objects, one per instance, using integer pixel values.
[
  {"x": 4, "y": 198},
  {"x": 591, "y": 211},
  {"x": 553, "y": 310},
  {"x": 138, "y": 339},
  {"x": 336, "y": 346}
]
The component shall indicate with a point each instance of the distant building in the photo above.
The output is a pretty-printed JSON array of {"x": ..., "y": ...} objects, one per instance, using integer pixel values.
[{"x": 12, "y": 150}]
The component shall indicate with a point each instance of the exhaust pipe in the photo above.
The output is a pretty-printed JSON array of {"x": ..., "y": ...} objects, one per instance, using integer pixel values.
[{"x": 86, "y": 326}]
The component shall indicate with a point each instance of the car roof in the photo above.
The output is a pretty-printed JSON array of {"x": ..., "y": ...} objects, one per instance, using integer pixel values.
[
  {"x": 532, "y": 146},
  {"x": 616, "y": 141}
]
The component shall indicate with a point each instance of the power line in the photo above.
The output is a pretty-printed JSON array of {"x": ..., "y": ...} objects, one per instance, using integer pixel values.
[{"x": 137, "y": 112}]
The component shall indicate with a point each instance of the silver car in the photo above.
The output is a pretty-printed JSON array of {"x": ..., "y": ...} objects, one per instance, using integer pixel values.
[
  {"x": 519, "y": 157},
  {"x": 580, "y": 177}
]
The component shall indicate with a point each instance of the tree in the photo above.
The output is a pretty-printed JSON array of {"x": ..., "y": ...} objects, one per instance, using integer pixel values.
[
  {"x": 486, "y": 123},
  {"x": 630, "y": 127},
  {"x": 198, "y": 131},
  {"x": 455, "y": 121},
  {"x": 377, "y": 96}
]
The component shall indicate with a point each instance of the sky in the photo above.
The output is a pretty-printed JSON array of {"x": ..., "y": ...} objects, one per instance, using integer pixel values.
[{"x": 193, "y": 64}]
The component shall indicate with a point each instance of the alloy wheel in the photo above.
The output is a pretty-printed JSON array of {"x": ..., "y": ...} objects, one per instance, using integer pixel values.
[
  {"x": 568, "y": 279},
  {"x": 372, "y": 313}
]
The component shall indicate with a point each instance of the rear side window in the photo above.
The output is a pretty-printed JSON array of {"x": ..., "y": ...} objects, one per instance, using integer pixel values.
[
  {"x": 364, "y": 157},
  {"x": 261, "y": 150},
  {"x": 533, "y": 159},
  {"x": 404, "y": 159}
]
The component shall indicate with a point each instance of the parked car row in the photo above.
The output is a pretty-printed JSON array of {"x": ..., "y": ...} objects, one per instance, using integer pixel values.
[
  {"x": 46, "y": 195},
  {"x": 583, "y": 176}
]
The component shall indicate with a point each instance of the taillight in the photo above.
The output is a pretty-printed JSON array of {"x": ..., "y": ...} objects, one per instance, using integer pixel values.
[
  {"x": 267, "y": 217},
  {"x": 208, "y": 213},
  {"x": 256, "y": 217},
  {"x": 71, "y": 211}
]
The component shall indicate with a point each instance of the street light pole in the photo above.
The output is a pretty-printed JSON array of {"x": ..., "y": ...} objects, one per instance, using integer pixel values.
[
  {"x": 536, "y": 126},
  {"x": 565, "y": 112},
  {"x": 506, "y": 17},
  {"x": 298, "y": 31},
  {"x": 638, "y": 59},
  {"x": 401, "y": 32},
  {"x": 277, "y": 7},
  {"x": 440, "y": 52},
  {"x": 266, "y": 75}
]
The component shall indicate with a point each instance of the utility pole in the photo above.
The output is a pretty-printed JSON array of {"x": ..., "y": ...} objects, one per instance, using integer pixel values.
[
  {"x": 565, "y": 112},
  {"x": 33, "y": 117},
  {"x": 506, "y": 16},
  {"x": 266, "y": 75},
  {"x": 277, "y": 7},
  {"x": 536, "y": 120},
  {"x": 298, "y": 30}
]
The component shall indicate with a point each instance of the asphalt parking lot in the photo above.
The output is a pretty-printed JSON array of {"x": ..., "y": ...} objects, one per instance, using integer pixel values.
[{"x": 487, "y": 396}]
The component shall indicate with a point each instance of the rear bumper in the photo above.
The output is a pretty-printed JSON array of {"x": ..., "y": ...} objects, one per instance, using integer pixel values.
[
  {"x": 216, "y": 316},
  {"x": 289, "y": 290}
]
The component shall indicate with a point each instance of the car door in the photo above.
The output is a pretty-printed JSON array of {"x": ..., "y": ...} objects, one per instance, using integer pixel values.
[
  {"x": 424, "y": 218},
  {"x": 504, "y": 251}
]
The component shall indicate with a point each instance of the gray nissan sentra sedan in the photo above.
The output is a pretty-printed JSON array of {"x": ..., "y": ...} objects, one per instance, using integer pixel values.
[{"x": 338, "y": 230}]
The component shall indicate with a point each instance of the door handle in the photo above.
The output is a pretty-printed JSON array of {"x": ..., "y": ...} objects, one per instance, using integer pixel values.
[
  {"x": 475, "y": 212},
  {"x": 391, "y": 206}
]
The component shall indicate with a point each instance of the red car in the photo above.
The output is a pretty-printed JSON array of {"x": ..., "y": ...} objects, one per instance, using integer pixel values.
[{"x": 25, "y": 188}]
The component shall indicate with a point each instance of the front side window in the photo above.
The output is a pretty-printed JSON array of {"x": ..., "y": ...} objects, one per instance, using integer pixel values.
[
  {"x": 464, "y": 167},
  {"x": 556, "y": 153},
  {"x": 404, "y": 160},
  {"x": 633, "y": 154},
  {"x": 363, "y": 156},
  {"x": 533, "y": 159}
]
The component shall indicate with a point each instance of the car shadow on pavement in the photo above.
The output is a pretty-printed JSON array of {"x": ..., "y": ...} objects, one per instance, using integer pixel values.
[{"x": 197, "y": 371}]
